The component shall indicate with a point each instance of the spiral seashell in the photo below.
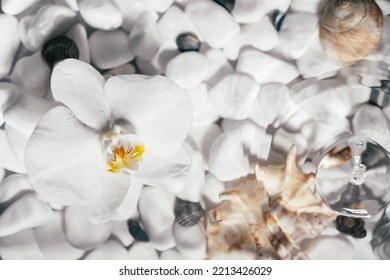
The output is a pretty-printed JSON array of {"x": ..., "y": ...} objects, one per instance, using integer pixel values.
[
  {"x": 136, "y": 231},
  {"x": 188, "y": 41},
  {"x": 351, "y": 226},
  {"x": 188, "y": 213},
  {"x": 350, "y": 29},
  {"x": 59, "y": 48}
]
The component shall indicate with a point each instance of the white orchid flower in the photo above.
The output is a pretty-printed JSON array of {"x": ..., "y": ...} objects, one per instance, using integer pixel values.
[{"x": 85, "y": 151}]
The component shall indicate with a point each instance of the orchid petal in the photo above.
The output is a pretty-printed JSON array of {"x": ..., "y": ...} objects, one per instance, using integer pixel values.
[
  {"x": 159, "y": 111},
  {"x": 234, "y": 153},
  {"x": 80, "y": 232},
  {"x": 80, "y": 87},
  {"x": 17, "y": 141},
  {"x": 8, "y": 94},
  {"x": 14, "y": 185},
  {"x": 115, "y": 188},
  {"x": 62, "y": 159}
]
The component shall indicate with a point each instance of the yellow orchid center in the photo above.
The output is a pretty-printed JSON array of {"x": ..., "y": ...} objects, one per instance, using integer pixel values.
[{"x": 123, "y": 152}]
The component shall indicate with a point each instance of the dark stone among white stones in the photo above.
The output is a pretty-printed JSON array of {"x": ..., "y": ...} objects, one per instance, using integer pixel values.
[
  {"x": 59, "y": 48},
  {"x": 380, "y": 96},
  {"x": 136, "y": 231},
  {"x": 227, "y": 4},
  {"x": 188, "y": 41}
]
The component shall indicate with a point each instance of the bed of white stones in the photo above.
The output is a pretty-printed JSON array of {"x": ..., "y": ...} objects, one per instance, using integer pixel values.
[{"x": 245, "y": 72}]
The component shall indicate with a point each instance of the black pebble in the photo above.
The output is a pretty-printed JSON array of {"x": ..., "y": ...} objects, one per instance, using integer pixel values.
[
  {"x": 188, "y": 41},
  {"x": 380, "y": 96},
  {"x": 277, "y": 19},
  {"x": 136, "y": 231},
  {"x": 227, "y": 4},
  {"x": 351, "y": 226},
  {"x": 59, "y": 48}
]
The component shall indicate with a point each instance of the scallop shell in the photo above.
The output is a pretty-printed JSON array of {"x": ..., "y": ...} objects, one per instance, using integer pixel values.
[
  {"x": 267, "y": 216},
  {"x": 188, "y": 213},
  {"x": 188, "y": 41},
  {"x": 350, "y": 29},
  {"x": 59, "y": 48}
]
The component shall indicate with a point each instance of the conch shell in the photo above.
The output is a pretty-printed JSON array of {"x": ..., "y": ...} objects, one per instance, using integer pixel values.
[
  {"x": 350, "y": 29},
  {"x": 267, "y": 216}
]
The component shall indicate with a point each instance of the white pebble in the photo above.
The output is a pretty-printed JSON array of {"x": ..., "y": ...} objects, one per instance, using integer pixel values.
[
  {"x": 109, "y": 49},
  {"x": 14, "y": 7},
  {"x": 171, "y": 254},
  {"x": 79, "y": 35},
  {"x": 216, "y": 25},
  {"x": 26, "y": 212},
  {"x": 331, "y": 248},
  {"x": 14, "y": 185},
  {"x": 234, "y": 95},
  {"x": 190, "y": 241},
  {"x": 249, "y": 36},
  {"x": 156, "y": 210},
  {"x": 372, "y": 72},
  {"x": 203, "y": 112},
  {"x": 20, "y": 246},
  {"x": 246, "y": 11},
  {"x": 265, "y": 68},
  {"x": 70, "y": 3},
  {"x": 280, "y": 5},
  {"x": 309, "y": 6},
  {"x": 111, "y": 250},
  {"x": 143, "y": 38},
  {"x": 9, "y": 44},
  {"x": 213, "y": 187},
  {"x": 121, "y": 231},
  {"x": 188, "y": 69},
  {"x": 8, "y": 94},
  {"x": 100, "y": 14},
  {"x": 219, "y": 66},
  {"x": 80, "y": 232},
  {"x": 125, "y": 69},
  {"x": 158, "y": 5},
  {"x": 8, "y": 158},
  {"x": 297, "y": 31},
  {"x": 31, "y": 75},
  {"x": 56, "y": 19},
  {"x": 130, "y": 10},
  {"x": 142, "y": 251}
]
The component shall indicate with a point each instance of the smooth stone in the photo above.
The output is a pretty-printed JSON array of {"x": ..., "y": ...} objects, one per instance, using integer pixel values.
[
  {"x": 297, "y": 31},
  {"x": 26, "y": 212},
  {"x": 283, "y": 140},
  {"x": 150, "y": 67},
  {"x": 246, "y": 11},
  {"x": 111, "y": 250},
  {"x": 187, "y": 42},
  {"x": 171, "y": 254},
  {"x": 202, "y": 110},
  {"x": 136, "y": 231},
  {"x": 125, "y": 69},
  {"x": 80, "y": 232},
  {"x": 190, "y": 241},
  {"x": 143, "y": 38},
  {"x": 2, "y": 174},
  {"x": 328, "y": 100},
  {"x": 55, "y": 18},
  {"x": 156, "y": 210},
  {"x": 142, "y": 251},
  {"x": 372, "y": 122},
  {"x": 204, "y": 136},
  {"x": 372, "y": 72},
  {"x": 265, "y": 68},
  {"x": 308, "y": 6},
  {"x": 8, "y": 95},
  {"x": 79, "y": 35},
  {"x": 280, "y": 5},
  {"x": 20, "y": 246},
  {"x": 70, "y": 3},
  {"x": 249, "y": 36},
  {"x": 188, "y": 69},
  {"x": 331, "y": 248},
  {"x": 10, "y": 43},
  {"x": 31, "y": 75},
  {"x": 315, "y": 63},
  {"x": 130, "y": 10},
  {"x": 100, "y": 14},
  {"x": 234, "y": 152},
  {"x": 109, "y": 49},
  {"x": 14, "y": 185},
  {"x": 219, "y": 66},
  {"x": 384, "y": 5},
  {"x": 14, "y": 7},
  {"x": 18, "y": 141},
  {"x": 159, "y": 6},
  {"x": 121, "y": 231},
  {"x": 213, "y": 187},
  {"x": 52, "y": 240},
  {"x": 214, "y": 23},
  {"x": 234, "y": 95},
  {"x": 8, "y": 158},
  {"x": 271, "y": 99}
]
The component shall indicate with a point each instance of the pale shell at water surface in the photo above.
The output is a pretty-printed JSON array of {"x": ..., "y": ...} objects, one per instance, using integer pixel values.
[{"x": 350, "y": 29}]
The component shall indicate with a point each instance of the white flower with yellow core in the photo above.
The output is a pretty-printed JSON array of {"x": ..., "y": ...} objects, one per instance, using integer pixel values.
[{"x": 106, "y": 135}]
